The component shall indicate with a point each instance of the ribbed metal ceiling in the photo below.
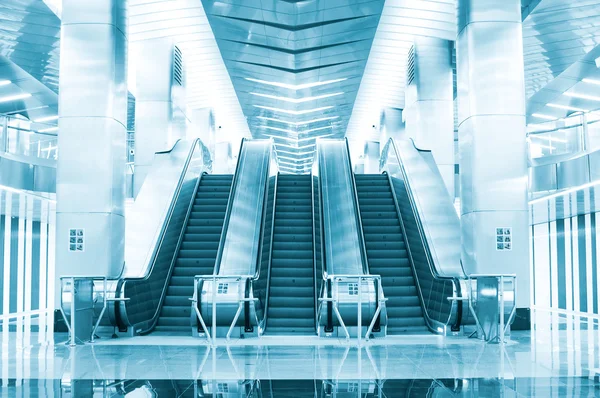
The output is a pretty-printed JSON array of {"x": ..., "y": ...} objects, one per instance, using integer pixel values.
[
  {"x": 29, "y": 58},
  {"x": 208, "y": 83},
  {"x": 296, "y": 66}
]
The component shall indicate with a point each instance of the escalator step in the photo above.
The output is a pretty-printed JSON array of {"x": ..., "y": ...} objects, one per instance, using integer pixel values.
[
  {"x": 198, "y": 251},
  {"x": 291, "y": 287},
  {"x": 387, "y": 254}
]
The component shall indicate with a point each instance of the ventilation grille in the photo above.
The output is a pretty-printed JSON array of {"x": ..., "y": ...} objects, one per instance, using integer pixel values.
[
  {"x": 411, "y": 66},
  {"x": 177, "y": 67}
]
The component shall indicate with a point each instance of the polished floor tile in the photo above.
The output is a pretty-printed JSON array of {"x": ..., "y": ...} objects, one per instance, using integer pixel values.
[{"x": 559, "y": 357}]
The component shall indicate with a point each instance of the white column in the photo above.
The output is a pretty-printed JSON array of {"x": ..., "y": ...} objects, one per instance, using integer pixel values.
[
  {"x": 93, "y": 119},
  {"x": 371, "y": 157},
  {"x": 203, "y": 127},
  {"x": 158, "y": 123},
  {"x": 429, "y": 110},
  {"x": 492, "y": 140},
  {"x": 223, "y": 163},
  {"x": 391, "y": 124}
]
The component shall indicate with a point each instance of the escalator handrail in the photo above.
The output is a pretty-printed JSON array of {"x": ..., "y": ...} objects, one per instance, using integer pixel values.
[
  {"x": 259, "y": 261},
  {"x": 314, "y": 232},
  {"x": 264, "y": 218},
  {"x": 197, "y": 144},
  {"x": 430, "y": 262},
  {"x": 229, "y": 209},
  {"x": 358, "y": 217},
  {"x": 414, "y": 208}
]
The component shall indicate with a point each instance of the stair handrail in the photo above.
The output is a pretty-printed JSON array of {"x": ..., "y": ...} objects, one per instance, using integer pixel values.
[
  {"x": 457, "y": 309},
  {"x": 260, "y": 253}
]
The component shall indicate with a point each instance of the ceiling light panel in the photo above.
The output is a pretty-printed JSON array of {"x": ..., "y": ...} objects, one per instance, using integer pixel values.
[
  {"x": 297, "y": 100},
  {"x": 293, "y": 112},
  {"x": 296, "y": 86}
]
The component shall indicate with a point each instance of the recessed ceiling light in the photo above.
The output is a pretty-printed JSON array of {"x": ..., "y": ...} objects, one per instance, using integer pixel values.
[
  {"x": 297, "y": 100},
  {"x": 567, "y": 107},
  {"x": 295, "y": 86},
  {"x": 545, "y": 117},
  {"x": 583, "y": 96},
  {"x": 541, "y": 137},
  {"x": 46, "y": 119},
  {"x": 14, "y": 97},
  {"x": 5, "y": 82},
  {"x": 290, "y": 112},
  {"x": 591, "y": 81},
  {"x": 272, "y": 119},
  {"x": 291, "y": 153},
  {"x": 48, "y": 130}
]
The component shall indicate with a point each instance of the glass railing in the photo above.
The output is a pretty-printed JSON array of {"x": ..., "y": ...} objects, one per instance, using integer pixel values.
[{"x": 25, "y": 139}]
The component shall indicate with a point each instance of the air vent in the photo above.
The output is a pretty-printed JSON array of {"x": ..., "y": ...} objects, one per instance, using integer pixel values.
[
  {"x": 177, "y": 66},
  {"x": 411, "y": 66}
]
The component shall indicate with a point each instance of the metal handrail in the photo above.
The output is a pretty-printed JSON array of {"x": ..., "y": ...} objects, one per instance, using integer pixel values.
[
  {"x": 265, "y": 204},
  {"x": 228, "y": 211},
  {"x": 436, "y": 275},
  {"x": 418, "y": 219},
  {"x": 197, "y": 143},
  {"x": 430, "y": 322},
  {"x": 359, "y": 224},
  {"x": 259, "y": 262},
  {"x": 335, "y": 304},
  {"x": 314, "y": 233},
  {"x": 242, "y": 300}
]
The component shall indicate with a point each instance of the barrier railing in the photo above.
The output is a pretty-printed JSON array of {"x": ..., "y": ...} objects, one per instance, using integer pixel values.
[
  {"x": 241, "y": 301},
  {"x": 82, "y": 299},
  {"x": 335, "y": 302}
]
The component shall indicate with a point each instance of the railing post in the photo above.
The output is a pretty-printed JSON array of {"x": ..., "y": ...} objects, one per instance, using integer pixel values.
[
  {"x": 4, "y": 134},
  {"x": 359, "y": 332}
]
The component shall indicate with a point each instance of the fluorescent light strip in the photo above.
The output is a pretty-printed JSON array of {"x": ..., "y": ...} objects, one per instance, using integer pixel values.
[
  {"x": 294, "y": 159},
  {"x": 322, "y": 119},
  {"x": 297, "y": 100},
  {"x": 292, "y": 153},
  {"x": 539, "y": 137},
  {"x": 48, "y": 130},
  {"x": 279, "y": 129},
  {"x": 5, "y": 82},
  {"x": 295, "y": 86},
  {"x": 545, "y": 117},
  {"x": 14, "y": 97},
  {"x": 316, "y": 129},
  {"x": 583, "y": 96},
  {"x": 566, "y": 107},
  {"x": 299, "y": 139},
  {"x": 278, "y": 144},
  {"x": 591, "y": 81},
  {"x": 289, "y": 112},
  {"x": 566, "y": 192},
  {"x": 545, "y": 146},
  {"x": 46, "y": 119}
]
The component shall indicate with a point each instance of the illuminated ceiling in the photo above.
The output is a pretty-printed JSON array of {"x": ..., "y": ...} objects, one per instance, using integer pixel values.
[{"x": 296, "y": 66}]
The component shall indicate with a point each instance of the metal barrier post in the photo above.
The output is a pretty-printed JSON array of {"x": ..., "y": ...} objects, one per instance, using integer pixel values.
[{"x": 359, "y": 331}]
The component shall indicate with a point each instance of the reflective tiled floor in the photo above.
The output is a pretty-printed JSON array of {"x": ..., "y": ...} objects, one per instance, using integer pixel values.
[{"x": 560, "y": 357}]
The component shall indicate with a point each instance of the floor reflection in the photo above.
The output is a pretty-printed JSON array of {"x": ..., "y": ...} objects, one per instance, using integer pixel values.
[{"x": 255, "y": 388}]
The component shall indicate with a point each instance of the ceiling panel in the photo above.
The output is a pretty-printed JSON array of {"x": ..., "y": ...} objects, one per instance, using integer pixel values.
[{"x": 296, "y": 66}]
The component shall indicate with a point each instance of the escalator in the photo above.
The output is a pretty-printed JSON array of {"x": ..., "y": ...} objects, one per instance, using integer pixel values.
[
  {"x": 197, "y": 253},
  {"x": 291, "y": 307},
  {"x": 387, "y": 254}
]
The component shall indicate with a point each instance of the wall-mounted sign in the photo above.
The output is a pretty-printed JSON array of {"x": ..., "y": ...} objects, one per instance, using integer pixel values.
[
  {"x": 76, "y": 240},
  {"x": 503, "y": 238}
]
